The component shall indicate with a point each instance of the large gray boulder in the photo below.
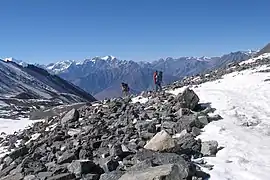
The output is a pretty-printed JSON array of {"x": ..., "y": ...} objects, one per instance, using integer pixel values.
[
  {"x": 201, "y": 121},
  {"x": 55, "y": 111},
  {"x": 71, "y": 116},
  {"x": 188, "y": 99},
  {"x": 164, "y": 172},
  {"x": 79, "y": 167},
  {"x": 161, "y": 141},
  {"x": 149, "y": 158},
  {"x": 114, "y": 175}
]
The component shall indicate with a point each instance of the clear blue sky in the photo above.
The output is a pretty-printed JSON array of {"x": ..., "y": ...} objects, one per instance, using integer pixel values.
[{"x": 51, "y": 30}]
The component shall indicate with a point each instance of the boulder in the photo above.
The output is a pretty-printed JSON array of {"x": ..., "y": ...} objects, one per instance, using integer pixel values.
[
  {"x": 18, "y": 176},
  {"x": 63, "y": 176},
  {"x": 90, "y": 177},
  {"x": 30, "y": 177},
  {"x": 215, "y": 117},
  {"x": 201, "y": 121},
  {"x": 188, "y": 99},
  {"x": 79, "y": 167},
  {"x": 109, "y": 164},
  {"x": 142, "y": 165},
  {"x": 166, "y": 172},
  {"x": 209, "y": 148},
  {"x": 32, "y": 166},
  {"x": 188, "y": 145},
  {"x": 55, "y": 111},
  {"x": 185, "y": 122},
  {"x": 18, "y": 152},
  {"x": 149, "y": 158},
  {"x": 161, "y": 141},
  {"x": 117, "y": 150},
  {"x": 66, "y": 157},
  {"x": 114, "y": 175},
  {"x": 196, "y": 131},
  {"x": 71, "y": 116},
  {"x": 44, "y": 175}
]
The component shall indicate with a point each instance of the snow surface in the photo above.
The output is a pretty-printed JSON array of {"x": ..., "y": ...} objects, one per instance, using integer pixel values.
[
  {"x": 240, "y": 98},
  {"x": 263, "y": 56},
  {"x": 139, "y": 99},
  {"x": 9, "y": 126}
]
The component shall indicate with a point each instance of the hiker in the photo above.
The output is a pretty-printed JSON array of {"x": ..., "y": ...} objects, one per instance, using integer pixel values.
[
  {"x": 155, "y": 77},
  {"x": 158, "y": 80},
  {"x": 125, "y": 89}
]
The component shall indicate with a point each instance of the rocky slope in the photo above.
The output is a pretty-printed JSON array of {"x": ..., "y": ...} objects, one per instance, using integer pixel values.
[{"x": 114, "y": 139}]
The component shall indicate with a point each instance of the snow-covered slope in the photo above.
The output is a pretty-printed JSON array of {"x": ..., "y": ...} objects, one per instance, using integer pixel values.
[
  {"x": 262, "y": 56},
  {"x": 243, "y": 100}
]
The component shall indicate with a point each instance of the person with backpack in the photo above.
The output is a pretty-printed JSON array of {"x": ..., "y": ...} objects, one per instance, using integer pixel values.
[
  {"x": 155, "y": 77},
  {"x": 125, "y": 89},
  {"x": 158, "y": 80}
]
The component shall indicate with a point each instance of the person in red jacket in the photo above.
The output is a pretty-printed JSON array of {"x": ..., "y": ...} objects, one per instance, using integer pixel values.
[{"x": 155, "y": 77}]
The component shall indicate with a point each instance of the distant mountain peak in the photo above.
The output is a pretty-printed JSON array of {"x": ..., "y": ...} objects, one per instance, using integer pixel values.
[
  {"x": 100, "y": 58},
  {"x": 11, "y": 59},
  {"x": 108, "y": 58},
  {"x": 60, "y": 66},
  {"x": 202, "y": 58}
]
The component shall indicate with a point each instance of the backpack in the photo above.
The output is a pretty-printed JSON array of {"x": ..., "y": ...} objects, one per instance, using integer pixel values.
[
  {"x": 159, "y": 76},
  {"x": 125, "y": 87}
]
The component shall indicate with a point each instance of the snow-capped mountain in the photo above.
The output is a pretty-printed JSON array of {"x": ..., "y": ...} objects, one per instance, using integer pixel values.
[
  {"x": 31, "y": 82},
  {"x": 60, "y": 66},
  {"x": 101, "y": 75}
]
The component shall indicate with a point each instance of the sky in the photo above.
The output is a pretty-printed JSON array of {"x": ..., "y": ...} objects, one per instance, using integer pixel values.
[{"x": 47, "y": 31}]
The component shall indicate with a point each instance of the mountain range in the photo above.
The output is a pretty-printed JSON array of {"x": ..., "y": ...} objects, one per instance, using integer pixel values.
[{"x": 101, "y": 76}]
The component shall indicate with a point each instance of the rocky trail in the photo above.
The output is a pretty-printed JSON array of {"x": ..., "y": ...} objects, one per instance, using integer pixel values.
[{"x": 114, "y": 139}]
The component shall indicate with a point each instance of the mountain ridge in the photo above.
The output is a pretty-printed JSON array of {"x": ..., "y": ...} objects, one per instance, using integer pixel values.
[
  {"x": 37, "y": 83},
  {"x": 101, "y": 76}
]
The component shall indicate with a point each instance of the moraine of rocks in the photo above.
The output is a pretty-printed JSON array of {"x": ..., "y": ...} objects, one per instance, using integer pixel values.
[{"x": 114, "y": 139}]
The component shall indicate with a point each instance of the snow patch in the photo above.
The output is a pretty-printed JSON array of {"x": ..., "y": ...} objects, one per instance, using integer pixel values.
[
  {"x": 139, "y": 99},
  {"x": 9, "y": 126},
  {"x": 177, "y": 90},
  {"x": 252, "y": 60},
  {"x": 106, "y": 58}
]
